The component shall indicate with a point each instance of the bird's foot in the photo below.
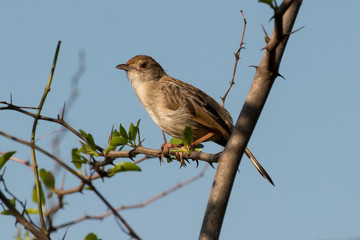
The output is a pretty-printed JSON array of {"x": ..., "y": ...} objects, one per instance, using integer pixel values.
[
  {"x": 165, "y": 150},
  {"x": 179, "y": 155}
]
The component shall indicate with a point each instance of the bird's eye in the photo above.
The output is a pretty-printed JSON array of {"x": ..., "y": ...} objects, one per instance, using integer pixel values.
[{"x": 143, "y": 65}]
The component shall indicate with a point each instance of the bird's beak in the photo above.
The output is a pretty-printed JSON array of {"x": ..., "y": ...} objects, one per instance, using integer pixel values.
[{"x": 124, "y": 67}]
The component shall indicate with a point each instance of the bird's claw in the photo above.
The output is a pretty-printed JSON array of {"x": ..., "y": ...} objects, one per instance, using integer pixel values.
[{"x": 165, "y": 148}]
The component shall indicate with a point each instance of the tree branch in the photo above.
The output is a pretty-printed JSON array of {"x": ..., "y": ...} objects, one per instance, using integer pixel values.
[
  {"x": 237, "y": 57},
  {"x": 264, "y": 77},
  {"x": 32, "y": 141},
  {"x": 210, "y": 158},
  {"x": 21, "y": 219},
  {"x": 143, "y": 204},
  {"x": 82, "y": 178}
]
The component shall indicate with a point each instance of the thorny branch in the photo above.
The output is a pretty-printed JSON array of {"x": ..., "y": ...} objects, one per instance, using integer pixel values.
[
  {"x": 237, "y": 57},
  {"x": 210, "y": 158},
  {"x": 32, "y": 141},
  {"x": 265, "y": 75},
  {"x": 85, "y": 180},
  {"x": 140, "y": 205},
  {"x": 80, "y": 177}
]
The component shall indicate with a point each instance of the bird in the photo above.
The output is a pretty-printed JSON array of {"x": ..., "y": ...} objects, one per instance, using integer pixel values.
[{"x": 174, "y": 105}]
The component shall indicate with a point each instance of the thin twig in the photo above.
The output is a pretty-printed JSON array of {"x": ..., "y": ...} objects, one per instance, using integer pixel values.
[
  {"x": 237, "y": 57},
  {"x": 82, "y": 178},
  {"x": 58, "y": 120},
  {"x": 21, "y": 219},
  {"x": 143, "y": 204},
  {"x": 18, "y": 160},
  {"x": 33, "y": 131},
  {"x": 74, "y": 93}
]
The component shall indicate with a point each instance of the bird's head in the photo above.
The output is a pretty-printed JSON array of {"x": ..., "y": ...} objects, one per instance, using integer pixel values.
[{"x": 142, "y": 68}]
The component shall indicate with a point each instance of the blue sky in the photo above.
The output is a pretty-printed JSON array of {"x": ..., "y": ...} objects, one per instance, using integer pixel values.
[{"x": 307, "y": 137}]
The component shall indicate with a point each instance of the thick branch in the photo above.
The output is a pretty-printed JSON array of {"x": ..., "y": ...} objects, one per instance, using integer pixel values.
[{"x": 229, "y": 161}]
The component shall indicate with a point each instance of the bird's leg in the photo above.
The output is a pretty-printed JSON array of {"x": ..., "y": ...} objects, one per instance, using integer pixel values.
[
  {"x": 202, "y": 139},
  {"x": 165, "y": 148},
  {"x": 179, "y": 155},
  {"x": 164, "y": 136}
]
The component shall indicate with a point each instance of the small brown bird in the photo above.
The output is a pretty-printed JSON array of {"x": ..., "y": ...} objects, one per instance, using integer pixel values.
[{"x": 174, "y": 105}]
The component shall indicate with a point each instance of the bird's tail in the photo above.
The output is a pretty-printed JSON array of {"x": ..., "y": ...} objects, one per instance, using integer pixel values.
[{"x": 258, "y": 166}]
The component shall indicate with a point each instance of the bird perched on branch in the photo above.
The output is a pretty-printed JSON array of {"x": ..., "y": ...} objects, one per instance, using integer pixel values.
[{"x": 174, "y": 105}]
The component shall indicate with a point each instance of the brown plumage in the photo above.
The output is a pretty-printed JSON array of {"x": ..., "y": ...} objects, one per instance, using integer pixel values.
[{"x": 174, "y": 104}]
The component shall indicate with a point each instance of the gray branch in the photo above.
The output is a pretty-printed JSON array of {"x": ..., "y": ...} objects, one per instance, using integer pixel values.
[{"x": 266, "y": 73}]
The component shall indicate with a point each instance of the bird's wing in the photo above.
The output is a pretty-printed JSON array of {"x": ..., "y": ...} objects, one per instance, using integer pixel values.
[{"x": 203, "y": 109}]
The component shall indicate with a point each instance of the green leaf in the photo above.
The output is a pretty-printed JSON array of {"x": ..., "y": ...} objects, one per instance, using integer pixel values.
[
  {"x": 187, "y": 136},
  {"x": 89, "y": 139},
  {"x": 8, "y": 212},
  {"x": 117, "y": 141},
  {"x": 47, "y": 178},
  {"x": 5, "y": 157},
  {"x": 32, "y": 211},
  {"x": 268, "y": 2},
  {"x": 123, "y": 166},
  {"x": 138, "y": 124},
  {"x": 123, "y": 132},
  {"x": 176, "y": 141},
  {"x": 77, "y": 159},
  {"x": 87, "y": 149},
  {"x": 83, "y": 132},
  {"x": 91, "y": 236},
  {"x": 132, "y": 132},
  {"x": 34, "y": 195},
  {"x": 13, "y": 201},
  {"x": 115, "y": 133}
]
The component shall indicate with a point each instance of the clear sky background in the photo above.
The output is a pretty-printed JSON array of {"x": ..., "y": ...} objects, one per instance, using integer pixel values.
[{"x": 307, "y": 137}]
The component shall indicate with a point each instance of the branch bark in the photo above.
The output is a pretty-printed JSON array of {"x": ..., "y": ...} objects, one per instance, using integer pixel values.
[
  {"x": 22, "y": 220},
  {"x": 266, "y": 73}
]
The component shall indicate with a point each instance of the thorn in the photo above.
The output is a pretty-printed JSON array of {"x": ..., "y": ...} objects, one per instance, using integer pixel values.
[
  {"x": 181, "y": 155},
  {"x": 111, "y": 133},
  {"x": 253, "y": 66},
  {"x": 262, "y": 26},
  {"x": 276, "y": 5},
  {"x": 63, "y": 112},
  {"x": 11, "y": 98},
  {"x": 139, "y": 138},
  {"x": 197, "y": 162},
  {"x": 211, "y": 164},
  {"x": 131, "y": 155},
  {"x": 160, "y": 160},
  {"x": 279, "y": 75},
  {"x": 296, "y": 30}
]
